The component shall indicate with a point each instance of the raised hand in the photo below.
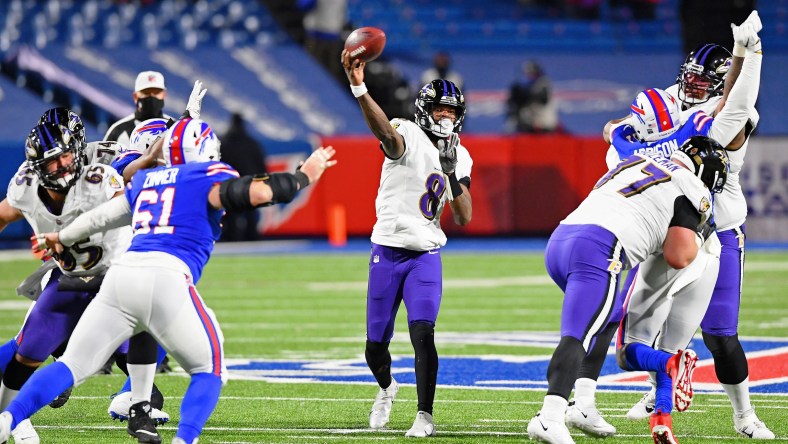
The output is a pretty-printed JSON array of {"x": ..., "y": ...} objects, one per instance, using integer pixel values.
[
  {"x": 195, "y": 100},
  {"x": 354, "y": 69},
  {"x": 318, "y": 162}
]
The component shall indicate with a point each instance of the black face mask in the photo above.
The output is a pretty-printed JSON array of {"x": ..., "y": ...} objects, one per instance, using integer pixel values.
[{"x": 149, "y": 108}]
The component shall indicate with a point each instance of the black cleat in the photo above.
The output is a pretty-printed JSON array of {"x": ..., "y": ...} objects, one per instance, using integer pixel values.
[
  {"x": 61, "y": 399},
  {"x": 164, "y": 367},
  {"x": 140, "y": 424},
  {"x": 106, "y": 369},
  {"x": 156, "y": 398}
]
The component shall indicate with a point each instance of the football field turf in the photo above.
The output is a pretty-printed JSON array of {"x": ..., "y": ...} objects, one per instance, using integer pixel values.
[{"x": 294, "y": 339}]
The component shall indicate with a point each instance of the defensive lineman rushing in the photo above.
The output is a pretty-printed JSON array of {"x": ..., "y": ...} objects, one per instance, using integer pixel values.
[
  {"x": 424, "y": 167},
  {"x": 175, "y": 212},
  {"x": 729, "y": 118},
  {"x": 643, "y": 206},
  {"x": 700, "y": 79}
]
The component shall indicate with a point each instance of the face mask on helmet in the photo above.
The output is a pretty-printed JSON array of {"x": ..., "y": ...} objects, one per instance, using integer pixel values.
[
  {"x": 190, "y": 140},
  {"x": 706, "y": 159},
  {"x": 702, "y": 75},
  {"x": 655, "y": 115},
  {"x": 69, "y": 119},
  {"x": 441, "y": 92},
  {"x": 54, "y": 154},
  {"x": 146, "y": 133}
]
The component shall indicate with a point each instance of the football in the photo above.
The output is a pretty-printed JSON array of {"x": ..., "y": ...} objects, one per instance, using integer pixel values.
[{"x": 365, "y": 44}]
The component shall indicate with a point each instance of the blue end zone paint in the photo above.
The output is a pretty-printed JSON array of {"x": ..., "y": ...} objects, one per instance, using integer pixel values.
[{"x": 477, "y": 372}]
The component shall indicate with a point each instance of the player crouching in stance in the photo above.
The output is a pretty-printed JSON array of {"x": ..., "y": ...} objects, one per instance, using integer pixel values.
[
  {"x": 175, "y": 211},
  {"x": 641, "y": 207}
]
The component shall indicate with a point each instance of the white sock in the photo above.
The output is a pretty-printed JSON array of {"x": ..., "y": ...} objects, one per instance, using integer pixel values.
[
  {"x": 585, "y": 390},
  {"x": 554, "y": 408},
  {"x": 739, "y": 394},
  {"x": 6, "y": 396},
  {"x": 141, "y": 381}
]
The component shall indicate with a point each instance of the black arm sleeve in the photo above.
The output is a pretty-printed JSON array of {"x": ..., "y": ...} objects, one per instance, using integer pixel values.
[
  {"x": 684, "y": 214},
  {"x": 234, "y": 193}
]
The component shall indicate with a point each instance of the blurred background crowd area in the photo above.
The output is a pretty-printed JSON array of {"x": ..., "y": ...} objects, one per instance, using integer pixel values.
[{"x": 541, "y": 77}]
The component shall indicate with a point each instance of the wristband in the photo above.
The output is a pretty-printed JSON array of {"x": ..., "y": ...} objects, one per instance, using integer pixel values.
[
  {"x": 739, "y": 50},
  {"x": 454, "y": 184},
  {"x": 302, "y": 179},
  {"x": 359, "y": 90}
]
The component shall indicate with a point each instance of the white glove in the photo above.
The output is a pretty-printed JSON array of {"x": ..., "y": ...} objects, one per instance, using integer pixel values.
[
  {"x": 745, "y": 37},
  {"x": 195, "y": 100},
  {"x": 755, "y": 21}
]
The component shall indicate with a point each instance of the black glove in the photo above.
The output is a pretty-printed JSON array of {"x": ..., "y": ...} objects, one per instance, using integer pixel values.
[
  {"x": 447, "y": 152},
  {"x": 706, "y": 229}
]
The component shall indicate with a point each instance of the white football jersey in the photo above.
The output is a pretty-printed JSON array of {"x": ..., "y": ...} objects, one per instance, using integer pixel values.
[
  {"x": 730, "y": 206},
  {"x": 103, "y": 152},
  {"x": 96, "y": 184},
  {"x": 413, "y": 191},
  {"x": 635, "y": 201}
]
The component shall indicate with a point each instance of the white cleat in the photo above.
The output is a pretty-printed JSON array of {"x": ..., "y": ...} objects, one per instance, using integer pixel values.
[
  {"x": 588, "y": 420},
  {"x": 24, "y": 433},
  {"x": 381, "y": 408},
  {"x": 552, "y": 432},
  {"x": 121, "y": 403},
  {"x": 751, "y": 427},
  {"x": 5, "y": 426},
  {"x": 422, "y": 427},
  {"x": 644, "y": 408}
]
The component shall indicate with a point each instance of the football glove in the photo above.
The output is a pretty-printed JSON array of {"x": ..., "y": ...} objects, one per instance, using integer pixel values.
[
  {"x": 195, "y": 100},
  {"x": 447, "y": 152}
]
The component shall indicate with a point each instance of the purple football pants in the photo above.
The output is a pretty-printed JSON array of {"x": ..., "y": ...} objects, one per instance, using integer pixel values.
[
  {"x": 722, "y": 316},
  {"x": 51, "y": 320},
  {"x": 396, "y": 275},
  {"x": 585, "y": 262}
]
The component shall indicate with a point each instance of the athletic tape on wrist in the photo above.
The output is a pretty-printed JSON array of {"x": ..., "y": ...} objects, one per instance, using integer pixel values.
[{"x": 359, "y": 90}]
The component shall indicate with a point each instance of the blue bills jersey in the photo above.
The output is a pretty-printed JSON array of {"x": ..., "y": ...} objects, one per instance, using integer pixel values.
[
  {"x": 626, "y": 144},
  {"x": 171, "y": 213}
]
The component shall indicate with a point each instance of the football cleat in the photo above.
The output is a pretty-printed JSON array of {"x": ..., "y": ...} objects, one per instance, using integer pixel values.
[
  {"x": 422, "y": 427},
  {"x": 121, "y": 403},
  {"x": 588, "y": 420},
  {"x": 644, "y": 408},
  {"x": 24, "y": 433},
  {"x": 749, "y": 426},
  {"x": 662, "y": 428},
  {"x": 381, "y": 408},
  {"x": 61, "y": 399},
  {"x": 544, "y": 430},
  {"x": 141, "y": 425},
  {"x": 680, "y": 367}
]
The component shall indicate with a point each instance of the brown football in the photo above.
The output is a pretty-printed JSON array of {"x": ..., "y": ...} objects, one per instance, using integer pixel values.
[{"x": 365, "y": 44}]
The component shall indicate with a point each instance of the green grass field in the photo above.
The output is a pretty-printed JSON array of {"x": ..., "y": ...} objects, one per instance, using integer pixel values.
[{"x": 313, "y": 307}]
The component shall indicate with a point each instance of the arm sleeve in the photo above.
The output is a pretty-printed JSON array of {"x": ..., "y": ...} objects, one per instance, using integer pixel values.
[
  {"x": 113, "y": 214},
  {"x": 742, "y": 98},
  {"x": 684, "y": 214}
]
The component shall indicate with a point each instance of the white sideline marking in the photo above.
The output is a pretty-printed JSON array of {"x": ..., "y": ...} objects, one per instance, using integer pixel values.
[
  {"x": 15, "y": 304},
  {"x": 517, "y": 281}
]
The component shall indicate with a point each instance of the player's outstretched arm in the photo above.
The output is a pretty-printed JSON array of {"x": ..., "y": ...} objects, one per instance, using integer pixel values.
[
  {"x": 115, "y": 213},
  {"x": 392, "y": 141},
  {"x": 8, "y": 214},
  {"x": 149, "y": 159},
  {"x": 250, "y": 192}
]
